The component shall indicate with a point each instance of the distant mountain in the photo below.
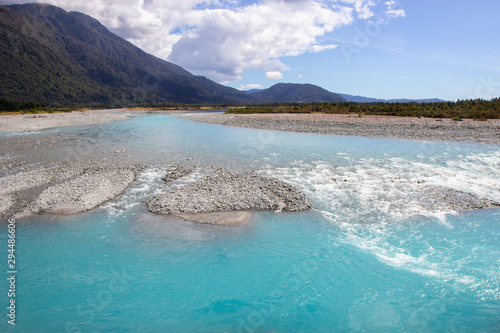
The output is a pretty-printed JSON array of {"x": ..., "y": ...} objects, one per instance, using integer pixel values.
[
  {"x": 295, "y": 93},
  {"x": 361, "y": 99},
  {"x": 251, "y": 91},
  {"x": 68, "y": 58},
  {"x": 308, "y": 93},
  {"x": 405, "y": 100}
]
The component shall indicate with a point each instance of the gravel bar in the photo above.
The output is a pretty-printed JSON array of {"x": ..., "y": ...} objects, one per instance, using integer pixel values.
[
  {"x": 369, "y": 126},
  {"x": 224, "y": 191},
  {"x": 84, "y": 192},
  {"x": 445, "y": 198},
  {"x": 34, "y": 122},
  {"x": 63, "y": 189}
]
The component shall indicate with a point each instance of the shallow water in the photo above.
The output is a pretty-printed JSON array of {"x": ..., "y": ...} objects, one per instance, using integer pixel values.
[{"x": 369, "y": 257}]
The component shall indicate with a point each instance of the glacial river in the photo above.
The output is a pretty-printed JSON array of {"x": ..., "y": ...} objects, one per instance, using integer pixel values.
[{"x": 369, "y": 257}]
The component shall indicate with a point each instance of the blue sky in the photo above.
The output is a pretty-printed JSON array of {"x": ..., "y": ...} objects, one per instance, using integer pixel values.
[
  {"x": 443, "y": 49},
  {"x": 447, "y": 49}
]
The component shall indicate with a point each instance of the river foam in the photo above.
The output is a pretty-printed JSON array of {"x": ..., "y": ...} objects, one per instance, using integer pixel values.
[{"x": 380, "y": 207}]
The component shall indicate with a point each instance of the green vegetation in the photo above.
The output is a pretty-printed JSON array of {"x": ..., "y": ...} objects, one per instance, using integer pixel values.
[
  {"x": 462, "y": 109},
  {"x": 472, "y": 109},
  {"x": 68, "y": 59},
  {"x": 9, "y": 106}
]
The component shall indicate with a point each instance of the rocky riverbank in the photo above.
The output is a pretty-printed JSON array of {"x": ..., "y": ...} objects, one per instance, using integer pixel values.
[
  {"x": 215, "y": 196},
  {"x": 220, "y": 197},
  {"x": 62, "y": 189},
  {"x": 34, "y": 122},
  {"x": 227, "y": 191},
  {"x": 439, "y": 198},
  {"x": 371, "y": 126},
  {"x": 83, "y": 192}
]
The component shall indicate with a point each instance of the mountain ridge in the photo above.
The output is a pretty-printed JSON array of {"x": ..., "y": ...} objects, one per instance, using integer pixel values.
[
  {"x": 363, "y": 99},
  {"x": 296, "y": 93},
  {"x": 69, "y": 58},
  {"x": 348, "y": 97},
  {"x": 62, "y": 58}
]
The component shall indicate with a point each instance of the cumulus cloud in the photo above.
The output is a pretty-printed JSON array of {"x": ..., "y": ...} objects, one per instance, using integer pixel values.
[
  {"x": 222, "y": 38},
  {"x": 274, "y": 75},
  {"x": 225, "y": 42}
]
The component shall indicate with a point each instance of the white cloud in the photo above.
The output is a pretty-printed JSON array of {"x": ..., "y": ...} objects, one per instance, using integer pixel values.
[
  {"x": 362, "y": 7},
  {"x": 392, "y": 11},
  {"x": 222, "y": 38},
  {"x": 319, "y": 48},
  {"x": 255, "y": 37},
  {"x": 274, "y": 75},
  {"x": 395, "y": 13},
  {"x": 250, "y": 86}
]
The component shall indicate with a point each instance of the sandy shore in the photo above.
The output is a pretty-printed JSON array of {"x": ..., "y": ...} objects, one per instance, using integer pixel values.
[
  {"x": 34, "y": 122},
  {"x": 372, "y": 126},
  {"x": 236, "y": 218}
]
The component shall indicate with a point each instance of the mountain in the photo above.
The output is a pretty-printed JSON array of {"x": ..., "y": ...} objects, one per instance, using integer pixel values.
[
  {"x": 251, "y": 91},
  {"x": 69, "y": 59},
  {"x": 308, "y": 93},
  {"x": 64, "y": 58},
  {"x": 426, "y": 100},
  {"x": 362, "y": 99},
  {"x": 295, "y": 93}
]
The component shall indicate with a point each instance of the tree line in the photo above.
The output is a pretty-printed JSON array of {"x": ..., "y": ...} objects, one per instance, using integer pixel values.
[
  {"x": 478, "y": 109},
  {"x": 11, "y": 106}
]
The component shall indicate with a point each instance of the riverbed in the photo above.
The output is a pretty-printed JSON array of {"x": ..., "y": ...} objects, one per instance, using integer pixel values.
[{"x": 372, "y": 254}]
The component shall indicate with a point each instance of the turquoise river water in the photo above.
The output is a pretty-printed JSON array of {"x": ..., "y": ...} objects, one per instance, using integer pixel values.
[{"x": 369, "y": 257}]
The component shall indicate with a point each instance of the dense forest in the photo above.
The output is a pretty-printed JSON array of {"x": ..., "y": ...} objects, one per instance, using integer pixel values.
[
  {"x": 10, "y": 106},
  {"x": 478, "y": 109},
  {"x": 68, "y": 59}
]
